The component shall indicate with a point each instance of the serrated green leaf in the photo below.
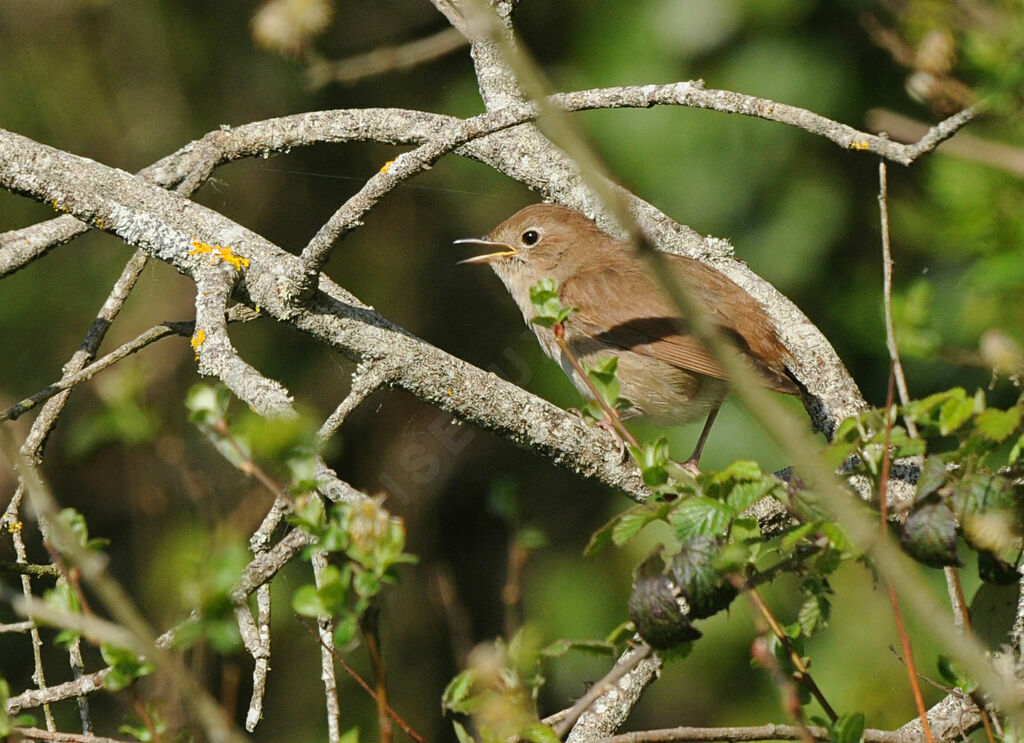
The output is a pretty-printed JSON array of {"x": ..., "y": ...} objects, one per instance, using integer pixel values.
[
  {"x": 600, "y": 538},
  {"x": 922, "y": 410},
  {"x": 741, "y": 470},
  {"x": 745, "y": 494},
  {"x": 796, "y": 535},
  {"x": 814, "y": 614},
  {"x": 631, "y": 522},
  {"x": 997, "y": 425},
  {"x": 954, "y": 413},
  {"x": 700, "y": 516}
]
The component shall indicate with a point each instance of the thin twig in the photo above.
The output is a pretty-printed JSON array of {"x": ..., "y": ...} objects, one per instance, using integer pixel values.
[
  {"x": 908, "y": 653},
  {"x": 803, "y": 673},
  {"x": 59, "y": 737},
  {"x": 890, "y": 328},
  {"x": 383, "y": 59},
  {"x": 369, "y": 690},
  {"x": 367, "y": 379},
  {"x": 736, "y": 734},
  {"x": 629, "y": 662},
  {"x": 610, "y": 413},
  {"x": 325, "y": 629},
  {"x": 370, "y": 624},
  {"x": 964, "y": 145},
  {"x": 120, "y": 605},
  {"x": 763, "y": 655}
]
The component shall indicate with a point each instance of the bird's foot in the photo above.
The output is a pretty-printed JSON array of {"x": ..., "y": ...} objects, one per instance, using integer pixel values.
[{"x": 610, "y": 428}]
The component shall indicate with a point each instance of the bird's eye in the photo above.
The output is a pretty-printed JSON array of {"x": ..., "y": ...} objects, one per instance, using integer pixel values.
[{"x": 530, "y": 237}]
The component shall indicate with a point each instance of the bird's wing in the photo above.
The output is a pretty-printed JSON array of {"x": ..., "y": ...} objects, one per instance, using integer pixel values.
[{"x": 627, "y": 310}]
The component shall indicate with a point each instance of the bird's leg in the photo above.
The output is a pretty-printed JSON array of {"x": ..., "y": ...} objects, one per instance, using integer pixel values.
[{"x": 690, "y": 465}]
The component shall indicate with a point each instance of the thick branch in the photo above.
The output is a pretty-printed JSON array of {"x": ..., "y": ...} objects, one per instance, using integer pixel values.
[{"x": 164, "y": 225}]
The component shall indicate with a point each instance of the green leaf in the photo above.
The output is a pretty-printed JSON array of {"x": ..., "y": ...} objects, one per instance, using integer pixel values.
[
  {"x": 562, "y": 646},
  {"x": 548, "y": 307},
  {"x": 600, "y": 538},
  {"x": 350, "y": 736},
  {"x": 745, "y": 494},
  {"x": 932, "y": 477},
  {"x": 5, "y": 720},
  {"x": 700, "y": 516},
  {"x": 652, "y": 458},
  {"x": 307, "y": 602},
  {"x": 457, "y": 692},
  {"x": 797, "y": 534},
  {"x": 922, "y": 411},
  {"x": 741, "y": 469},
  {"x": 629, "y": 523},
  {"x": 954, "y": 413},
  {"x": 814, "y": 614},
  {"x": 345, "y": 630},
  {"x": 461, "y": 733},
  {"x": 849, "y": 728},
  {"x": 1015, "y": 451},
  {"x": 997, "y": 425},
  {"x": 952, "y": 675},
  {"x": 207, "y": 404},
  {"x": 539, "y": 733},
  {"x": 838, "y": 538},
  {"x": 604, "y": 375}
]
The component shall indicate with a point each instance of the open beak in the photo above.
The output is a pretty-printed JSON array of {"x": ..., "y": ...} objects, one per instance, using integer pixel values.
[{"x": 505, "y": 251}]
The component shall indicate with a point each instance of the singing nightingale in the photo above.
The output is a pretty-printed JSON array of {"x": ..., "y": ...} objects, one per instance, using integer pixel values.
[{"x": 664, "y": 373}]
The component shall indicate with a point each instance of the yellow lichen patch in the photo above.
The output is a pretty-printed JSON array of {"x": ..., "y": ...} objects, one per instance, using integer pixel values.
[
  {"x": 197, "y": 340},
  {"x": 387, "y": 165},
  {"x": 14, "y": 525},
  {"x": 219, "y": 254},
  {"x": 862, "y": 145}
]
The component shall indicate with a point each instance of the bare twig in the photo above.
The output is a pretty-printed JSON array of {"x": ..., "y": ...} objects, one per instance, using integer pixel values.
[
  {"x": 964, "y": 145},
  {"x": 366, "y": 380},
  {"x": 58, "y": 737},
  {"x": 908, "y": 654},
  {"x": 803, "y": 673},
  {"x": 890, "y": 328},
  {"x": 214, "y": 351},
  {"x": 367, "y": 688},
  {"x": 369, "y": 622},
  {"x": 607, "y": 685},
  {"x": 322, "y": 72},
  {"x": 325, "y": 629},
  {"x": 121, "y": 607}
]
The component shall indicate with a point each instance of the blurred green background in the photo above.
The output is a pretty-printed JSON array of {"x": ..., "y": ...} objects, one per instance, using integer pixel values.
[{"x": 128, "y": 81}]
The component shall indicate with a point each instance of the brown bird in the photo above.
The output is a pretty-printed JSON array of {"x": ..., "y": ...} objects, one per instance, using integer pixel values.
[{"x": 664, "y": 373}]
